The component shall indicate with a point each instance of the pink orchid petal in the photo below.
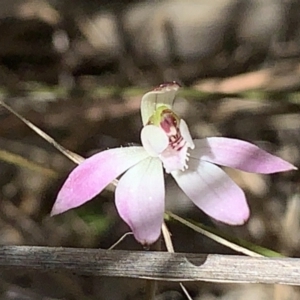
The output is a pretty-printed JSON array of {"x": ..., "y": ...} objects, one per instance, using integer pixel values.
[
  {"x": 91, "y": 176},
  {"x": 213, "y": 191},
  {"x": 140, "y": 197},
  {"x": 154, "y": 140},
  {"x": 162, "y": 95},
  {"x": 240, "y": 155}
]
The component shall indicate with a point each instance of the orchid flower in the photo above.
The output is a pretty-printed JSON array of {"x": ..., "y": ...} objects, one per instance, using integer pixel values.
[{"x": 167, "y": 145}]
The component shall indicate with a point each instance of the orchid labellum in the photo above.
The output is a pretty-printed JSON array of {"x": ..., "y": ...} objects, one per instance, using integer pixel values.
[{"x": 167, "y": 145}]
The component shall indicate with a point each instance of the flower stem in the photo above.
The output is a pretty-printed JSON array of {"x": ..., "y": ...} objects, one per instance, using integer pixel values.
[
  {"x": 169, "y": 244},
  {"x": 151, "y": 285}
]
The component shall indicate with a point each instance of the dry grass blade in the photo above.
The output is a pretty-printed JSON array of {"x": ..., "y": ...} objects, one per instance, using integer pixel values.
[
  {"x": 152, "y": 265},
  {"x": 22, "y": 162},
  {"x": 77, "y": 159},
  {"x": 168, "y": 241},
  {"x": 215, "y": 237},
  {"x": 119, "y": 240},
  {"x": 71, "y": 155}
]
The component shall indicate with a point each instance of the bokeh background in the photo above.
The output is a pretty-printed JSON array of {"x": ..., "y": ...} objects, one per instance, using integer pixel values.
[{"x": 77, "y": 69}]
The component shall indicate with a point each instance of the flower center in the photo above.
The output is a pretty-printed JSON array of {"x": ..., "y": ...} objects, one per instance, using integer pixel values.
[
  {"x": 175, "y": 156},
  {"x": 169, "y": 122}
]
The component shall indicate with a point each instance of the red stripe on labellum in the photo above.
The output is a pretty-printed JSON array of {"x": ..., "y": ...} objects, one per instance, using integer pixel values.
[{"x": 169, "y": 124}]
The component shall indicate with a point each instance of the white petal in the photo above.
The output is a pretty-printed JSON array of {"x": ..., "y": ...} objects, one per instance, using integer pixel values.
[
  {"x": 174, "y": 159},
  {"x": 154, "y": 140},
  {"x": 140, "y": 197},
  {"x": 214, "y": 192},
  {"x": 163, "y": 95}
]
